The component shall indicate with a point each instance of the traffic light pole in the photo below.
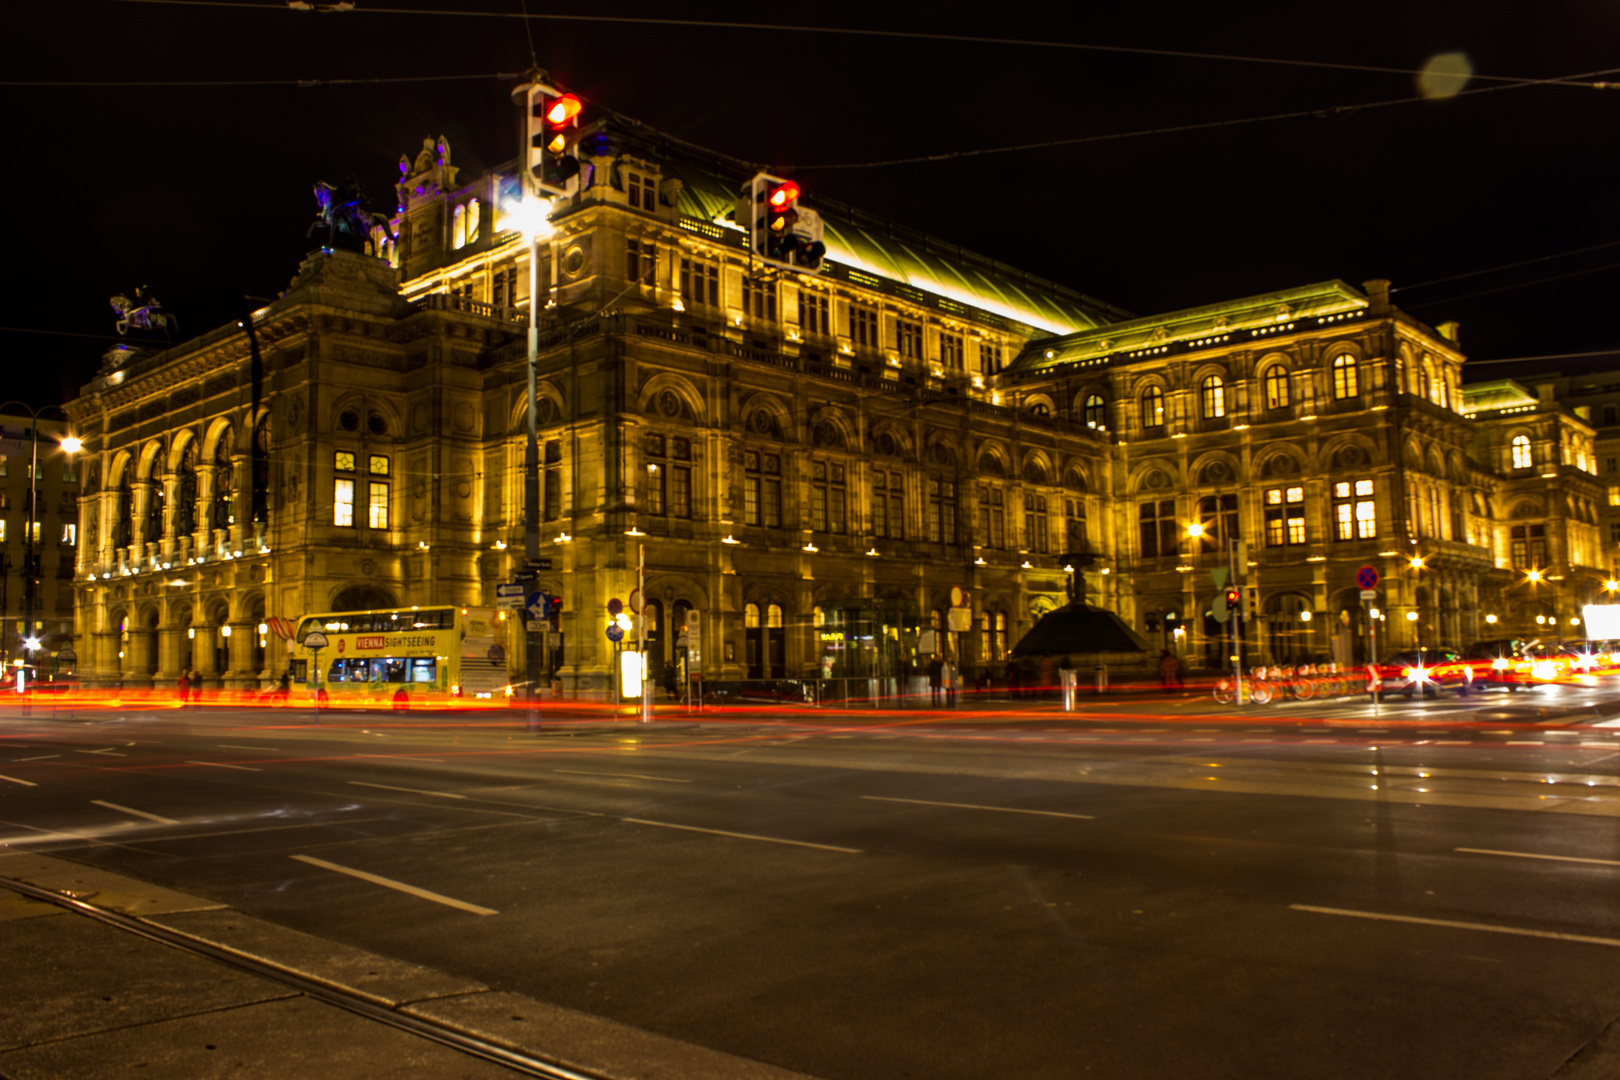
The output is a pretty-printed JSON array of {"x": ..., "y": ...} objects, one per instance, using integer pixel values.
[
  {"x": 1237, "y": 634},
  {"x": 531, "y": 473}
]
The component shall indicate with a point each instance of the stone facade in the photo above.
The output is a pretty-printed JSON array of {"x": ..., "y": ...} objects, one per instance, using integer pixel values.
[
  {"x": 56, "y": 533},
  {"x": 814, "y": 465}
]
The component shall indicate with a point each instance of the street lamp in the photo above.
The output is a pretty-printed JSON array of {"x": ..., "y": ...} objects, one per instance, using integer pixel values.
[
  {"x": 534, "y": 216},
  {"x": 70, "y": 444}
]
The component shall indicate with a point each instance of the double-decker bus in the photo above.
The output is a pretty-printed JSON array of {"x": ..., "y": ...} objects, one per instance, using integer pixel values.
[{"x": 404, "y": 656}]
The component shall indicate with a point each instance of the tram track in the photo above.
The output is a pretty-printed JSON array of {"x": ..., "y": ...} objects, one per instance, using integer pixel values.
[{"x": 521, "y": 1062}]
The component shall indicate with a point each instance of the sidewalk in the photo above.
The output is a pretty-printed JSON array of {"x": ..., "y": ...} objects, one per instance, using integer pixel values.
[{"x": 83, "y": 999}]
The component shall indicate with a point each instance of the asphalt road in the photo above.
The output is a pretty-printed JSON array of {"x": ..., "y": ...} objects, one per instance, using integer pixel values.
[{"x": 1151, "y": 889}]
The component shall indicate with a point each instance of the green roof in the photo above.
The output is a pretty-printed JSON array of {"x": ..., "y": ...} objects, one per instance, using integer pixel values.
[
  {"x": 1500, "y": 394},
  {"x": 867, "y": 244},
  {"x": 1250, "y": 317}
]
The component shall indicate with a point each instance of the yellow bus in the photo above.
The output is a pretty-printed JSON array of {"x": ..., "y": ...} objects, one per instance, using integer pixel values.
[{"x": 401, "y": 657}]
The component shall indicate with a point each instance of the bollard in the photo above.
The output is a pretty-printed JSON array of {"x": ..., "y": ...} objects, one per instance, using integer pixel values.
[
  {"x": 1070, "y": 688},
  {"x": 1102, "y": 678}
]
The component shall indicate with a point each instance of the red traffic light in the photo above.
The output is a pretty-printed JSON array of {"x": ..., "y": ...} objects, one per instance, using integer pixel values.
[
  {"x": 1234, "y": 599},
  {"x": 563, "y": 110},
  {"x": 783, "y": 195}
]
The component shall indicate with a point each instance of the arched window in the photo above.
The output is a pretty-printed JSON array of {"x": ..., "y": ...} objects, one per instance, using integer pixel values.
[
  {"x": 1212, "y": 394},
  {"x": 1276, "y": 383},
  {"x": 458, "y": 228},
  {"x": 1425, "y": 376},
  {"x": 1344, "y": 376},
  {"x": 223, "y": 514},
  {"x": 1521, "y": 452},
  {"x": 750, "y": 616},
  {"x": 1152, "y": 407},
  {"x": 1096, "y": 412}
]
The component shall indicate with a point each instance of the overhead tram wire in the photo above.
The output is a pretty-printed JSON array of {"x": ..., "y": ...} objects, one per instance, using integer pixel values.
[
  {"x": 1517, "y": 285},
  {"x": 1506, "y": 266},
  {"x": 303, "y": 83},
  {"x": 916, "y": 35}
]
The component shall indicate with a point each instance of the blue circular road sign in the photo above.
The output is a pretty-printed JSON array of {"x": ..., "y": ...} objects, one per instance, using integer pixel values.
[
  {"x": 1367, "y": 577},
  {"x": 615, "y": 632}
]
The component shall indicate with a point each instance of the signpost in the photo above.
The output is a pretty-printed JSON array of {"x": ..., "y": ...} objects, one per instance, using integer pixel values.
[
  {"x": 509, "y": 595},
  {"x": 1367, "y": 579},
  {"x": 315, "y": 641}
]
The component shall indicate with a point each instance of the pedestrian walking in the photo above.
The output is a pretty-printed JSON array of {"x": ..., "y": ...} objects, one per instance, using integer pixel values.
[
  {"x": 936, "y": 677},
  {"x": 948, "y": 677},
  {"x": 196, "y": 688},
  {"x": 182, "y": 688},
  {"x": 1169, "y": 669}
]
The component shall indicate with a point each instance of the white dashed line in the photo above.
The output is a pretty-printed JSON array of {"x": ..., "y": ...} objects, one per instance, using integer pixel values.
[
  {"x": 400, "y": 886},
  {"x": 411, "y": 790},
  {"x": 742, "y": 835},
  {"x": 621, "y": 776},
  {"x": 45, "y": 757},
  {"x": 1532, "y": 855},
  {"x": 976, "y": 806},
  {"x": 161, "y": 820},
  {"x": 14, "y": 780},
  {"x": 1452, "y": 924},
  {"x": 222, "y": 765}
]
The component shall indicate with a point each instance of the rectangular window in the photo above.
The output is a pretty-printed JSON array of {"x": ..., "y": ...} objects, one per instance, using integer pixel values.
[
  {"x": 553, "y": 479},
  {"x": 343, "y": 461},
  {"x": 1355, "y": 513},
  {"x": 951, "y": 354},
  {"x": 700, "y": 283},
  {"x": 1035, "y": 524},
  {"x": 503, "y": 286},
  {"x": 643, "y": 196},
  {"x": 641, "y": 262},
  {"x": 989, "y": 357},
  {"x": 343, "y": 502},
  {"x": 378, "y": 465},
  {"x": 1157, "y": 528},
  {"x": 70, "y": 471},
  {"x": 1074, "y": 515},
  {"x": 1608, "y": 416},
  {"x": 1614, "y": 496},
  {"x": 751, "y": 485},
  {"x": 880, "y": 503},
  {"x": 1528, "y": 547},
  {"x": 863, "y": 333},
  {"x": 818, "y": 496},
  {"x": 941, "y": 510},
  {"x": 992, "y": 517},
  {"x": 35, "y": 531},
  {"x": 814, "y": 316},
  {"x": 70, "y": 534},
  {"x": 771, "y": 491},
  {"x": 908, "y": 339},
  {"x": 2, "y": 465},
  {"x": 1285, "y": 516},
  {"x": 759, "y": 299},
  {"x": 657, "y": 473},
  {"x": 377, "y": 506},
  {"x": 2, "y": 530}
]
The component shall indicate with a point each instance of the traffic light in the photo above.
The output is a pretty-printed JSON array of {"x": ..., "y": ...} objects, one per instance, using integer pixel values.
[
  {"x": 780, "y": 231},
  {"x": 552, "y": 125},
  {"x": 1234, "y": 600}
]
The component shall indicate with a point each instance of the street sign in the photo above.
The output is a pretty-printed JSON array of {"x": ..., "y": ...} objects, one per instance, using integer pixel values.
[
  {"x": 509, "y": 594},
  {"x": 1218, "y": 610},
  {"x": 615, "y": 632},
  {"x": 1369, "y": 594},
  {"x": 315, "y": 640},
  {"x": 959, "y": 620},
  {"x": 958, "y": 597},
  {"x": 537, "y": 564},
  {"x": 537, "y": 603},
  {"x": 1219, "y": 574},
  {"x": 635, "y": 601},
  {"x": 1367, "y": 578},
  {"x": 615, "y": 606}
]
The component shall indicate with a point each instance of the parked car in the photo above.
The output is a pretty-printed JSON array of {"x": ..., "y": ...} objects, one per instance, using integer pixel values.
[
  {"x": 1428, "y": 670},
  {"x": 1514, "y": 663}
]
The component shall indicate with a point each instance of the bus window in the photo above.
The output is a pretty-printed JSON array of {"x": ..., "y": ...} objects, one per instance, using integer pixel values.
[
  {"x": 423, "y": 670},
  {"x": 389, "y": 670},
  {"x": 299, "y": 670}
]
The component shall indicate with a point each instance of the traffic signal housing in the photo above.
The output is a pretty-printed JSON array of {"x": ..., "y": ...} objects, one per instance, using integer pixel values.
[
  {"x": 552, "y": 130},
  {"x": 1234, "y": 600},
  {"x": 780, "y": 231}
]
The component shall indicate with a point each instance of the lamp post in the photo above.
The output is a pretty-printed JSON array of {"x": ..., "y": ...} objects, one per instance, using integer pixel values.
[
  {"x": 71, "y": 445},
  {"x": 534, "y": 221}
]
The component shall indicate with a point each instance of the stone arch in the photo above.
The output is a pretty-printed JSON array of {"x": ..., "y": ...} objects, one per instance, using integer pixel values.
[
  {"x": 1286, "y": 460},
  {"x": 151, "y": 455},
  {"x": 1527, "y": 508},
  {"x": 1350, "y": 451},
  {"x": 550, "y": 407},
  {"x": 368, "y": 596},
  {"x": 120, "y": 468},
  {"x": 671, "y": 397},
  {"x": 766, "y": 415},
  {"x": 940, "y": 450},
  {"x": 1155, "y": 474},
  {"x": 992, "y": 460},
  {"x": 891, "y": 439},
  {"x": 1074, "y": 477},
  {"x": 830, "y": 427},
  {"x": 1434, "y": 464},
  {"x": 1039, "y": 404},
  {"x": 220, "y": 430},
  {"x": 1037, "y": 468},
  {"x": 183, "y": 439},
  {"x": 1216, "y": 468}
]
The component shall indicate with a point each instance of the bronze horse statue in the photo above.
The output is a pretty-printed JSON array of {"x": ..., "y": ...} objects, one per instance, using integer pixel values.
[
  {"x": 140, "y": 312},
  {"x": 343, "y": 212}
]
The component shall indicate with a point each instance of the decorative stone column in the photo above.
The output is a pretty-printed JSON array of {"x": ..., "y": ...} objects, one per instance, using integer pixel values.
[
  {"x": 242, "y": 675},
  {"x": 140, "y": 658}
]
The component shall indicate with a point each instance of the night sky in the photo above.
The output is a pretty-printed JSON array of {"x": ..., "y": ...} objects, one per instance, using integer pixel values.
[{"x": 202, "y": 191}]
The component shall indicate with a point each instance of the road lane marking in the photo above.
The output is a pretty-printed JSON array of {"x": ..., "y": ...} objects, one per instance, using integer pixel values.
[
  {"x": 1520, "y": 742},
  {"x": 14, "y": 780},
  {"x": 742, "y": 835},
  {"x": 1517, "y": 931},
  {"x": 109, "y": 752},
  {"x": 623, "y": 775},
  {"x": 222, "y": 765},
  {"x": 1319, "y": 740},
  {"x": 1533, "y": 855},
  {"x": 413, "y": 791},
  {"x": 138, "y": 813},
  {"x": 390, "y": 883},
  {"x": 261, "y": 749},
  {"x": 43, "y": 757},
  {"x": 976, "y": 806}
]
